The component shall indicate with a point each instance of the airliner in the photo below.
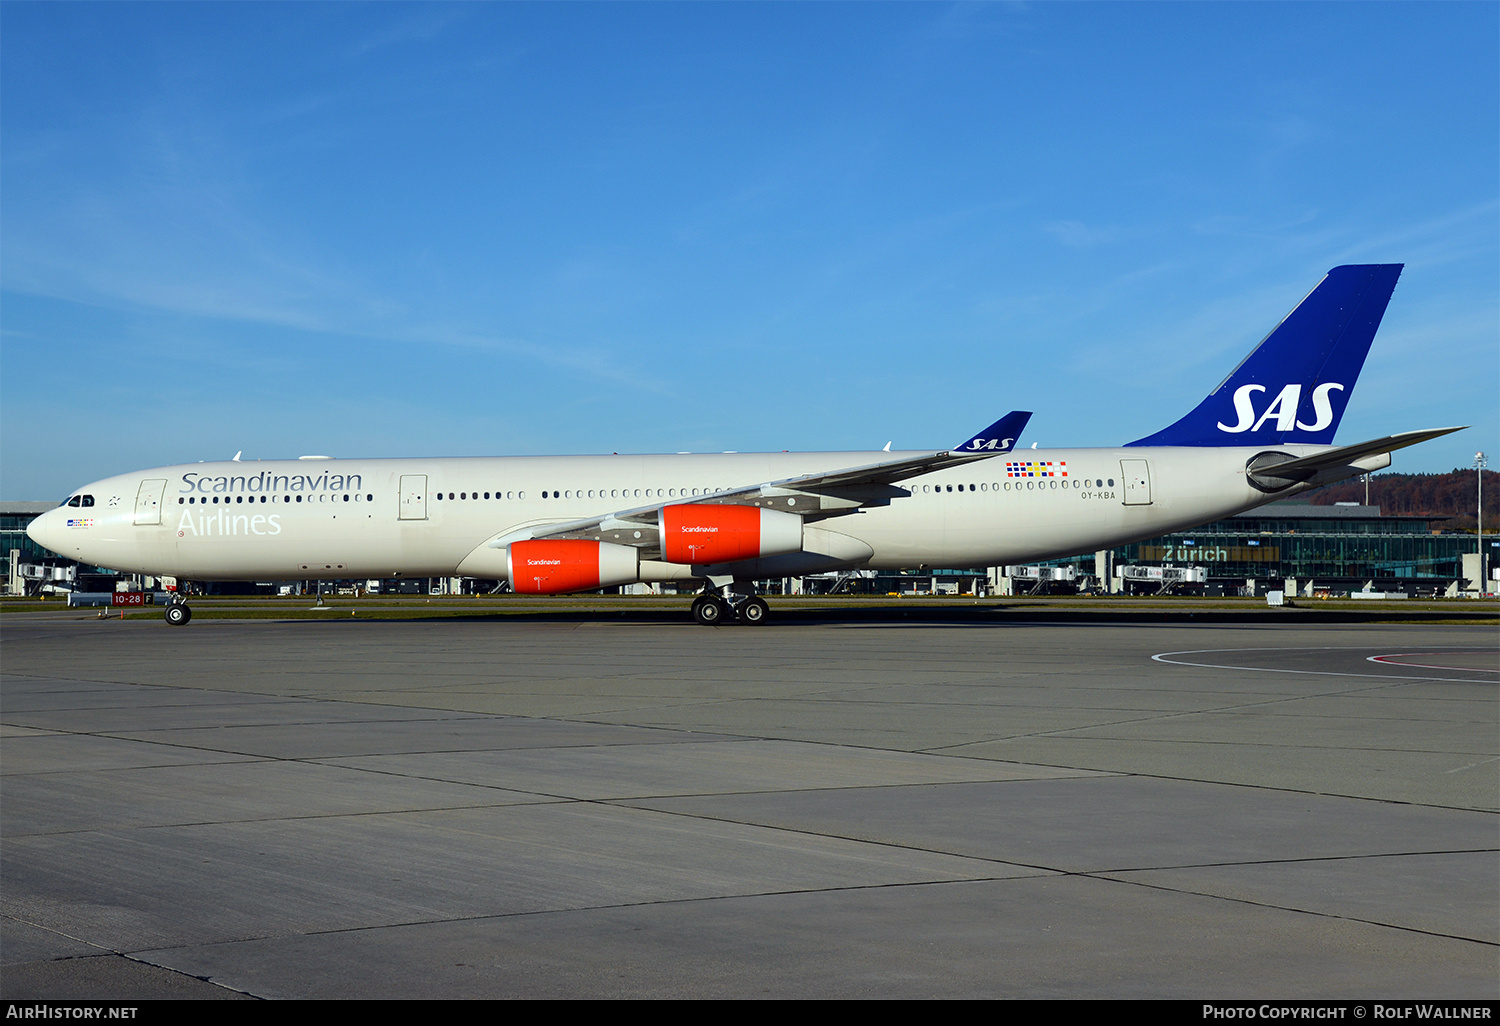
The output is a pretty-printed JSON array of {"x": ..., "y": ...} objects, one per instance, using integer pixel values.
[{"x": 720, "y": 522}]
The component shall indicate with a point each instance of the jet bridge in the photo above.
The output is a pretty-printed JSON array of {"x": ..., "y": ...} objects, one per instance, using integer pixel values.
[{"x": 1167, "y": 579}]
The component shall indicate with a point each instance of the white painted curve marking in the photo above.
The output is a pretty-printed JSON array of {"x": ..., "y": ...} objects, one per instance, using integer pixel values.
[{"x": 1162, "y": 657}]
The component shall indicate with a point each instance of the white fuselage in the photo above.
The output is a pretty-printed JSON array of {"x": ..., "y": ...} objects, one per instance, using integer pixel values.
[{"x": 326, "y": 518}]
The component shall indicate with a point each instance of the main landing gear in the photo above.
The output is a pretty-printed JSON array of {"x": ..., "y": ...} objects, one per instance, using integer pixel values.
[
  {"x": 712, "y": 609},
  {"x": 177, "y": 613}
]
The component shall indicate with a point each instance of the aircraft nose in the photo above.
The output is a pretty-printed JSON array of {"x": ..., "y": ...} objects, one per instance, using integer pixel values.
[{"x": 43, "y": 530}]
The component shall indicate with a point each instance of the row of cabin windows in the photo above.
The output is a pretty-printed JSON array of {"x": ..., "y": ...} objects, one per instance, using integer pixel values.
[
  {"x": 206, "y": 500},
  {"x": 614, "y": 492},
  {"x": 995, "y": 486},
  {"x": 475, "y": 495},
  {"x": 1053, "y": 483},
  {"x": 672, "y": 493}
]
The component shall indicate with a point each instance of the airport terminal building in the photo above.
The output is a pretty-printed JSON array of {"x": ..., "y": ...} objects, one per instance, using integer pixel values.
[{"x": 1342, "y": 544}]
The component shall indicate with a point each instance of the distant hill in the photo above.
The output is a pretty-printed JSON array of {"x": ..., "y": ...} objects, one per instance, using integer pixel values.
[{"x": 1450, "y": 496}]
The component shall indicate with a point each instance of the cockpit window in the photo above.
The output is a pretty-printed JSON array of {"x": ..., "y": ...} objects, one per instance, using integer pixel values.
[
  {"x": 88, "y": 500},
  {"x": 76, "y": 500}
]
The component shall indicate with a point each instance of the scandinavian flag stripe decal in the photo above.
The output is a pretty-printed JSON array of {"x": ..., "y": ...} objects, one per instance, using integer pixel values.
[{"x": 1037, "y": 468}]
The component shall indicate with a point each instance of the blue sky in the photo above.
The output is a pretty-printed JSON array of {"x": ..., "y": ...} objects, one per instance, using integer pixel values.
[{"x": 486, "y": 229}]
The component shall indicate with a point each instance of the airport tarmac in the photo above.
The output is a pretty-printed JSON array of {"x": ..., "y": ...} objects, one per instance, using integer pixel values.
[{"x": 982, "y": 807}]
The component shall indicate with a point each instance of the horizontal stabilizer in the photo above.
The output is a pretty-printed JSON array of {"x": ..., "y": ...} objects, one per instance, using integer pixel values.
[{"x": 1272, "y": 471}]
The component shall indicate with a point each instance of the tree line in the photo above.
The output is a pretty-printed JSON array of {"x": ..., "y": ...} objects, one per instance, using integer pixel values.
[{"x": 1451, "y": 496}]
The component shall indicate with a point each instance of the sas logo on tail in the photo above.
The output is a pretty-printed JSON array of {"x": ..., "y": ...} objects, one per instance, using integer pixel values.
[
  {"x": 996, "y": 444},
  {"x": 1283, "y": 409}
]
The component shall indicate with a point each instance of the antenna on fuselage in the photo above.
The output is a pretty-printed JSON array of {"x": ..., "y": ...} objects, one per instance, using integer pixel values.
[{"x": 237, "y": 456}]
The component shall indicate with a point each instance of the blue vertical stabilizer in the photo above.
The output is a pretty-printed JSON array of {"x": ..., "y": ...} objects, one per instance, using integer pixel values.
[{"x": 1293, "y": 387}]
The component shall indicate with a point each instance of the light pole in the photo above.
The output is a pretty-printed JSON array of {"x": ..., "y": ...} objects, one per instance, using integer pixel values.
[{"x": 1479, "y": 464}]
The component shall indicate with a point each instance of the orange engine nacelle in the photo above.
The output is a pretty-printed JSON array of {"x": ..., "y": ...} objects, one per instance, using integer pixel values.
[
  {"x": 545, "y": 567},
  {"x": 701, "y": 533}
]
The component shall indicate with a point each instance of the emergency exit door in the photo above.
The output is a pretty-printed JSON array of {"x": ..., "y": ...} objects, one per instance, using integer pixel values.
[{"x": 413, "y": 497}]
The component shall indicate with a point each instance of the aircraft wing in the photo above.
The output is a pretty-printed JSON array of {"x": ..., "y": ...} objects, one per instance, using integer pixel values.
[
  {"x": 1277, "y": 470},
  {"x": 813, "y": 496}
]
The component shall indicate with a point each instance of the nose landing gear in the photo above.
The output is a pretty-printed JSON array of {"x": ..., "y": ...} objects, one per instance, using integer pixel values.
[{"x": 177, "y": 613}]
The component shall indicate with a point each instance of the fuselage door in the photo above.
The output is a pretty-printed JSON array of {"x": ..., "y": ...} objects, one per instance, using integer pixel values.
[
  {"x": 148, "y": 502},
  {"x": 413, "y": 496},
  {"x": 1137, "y": 477}
]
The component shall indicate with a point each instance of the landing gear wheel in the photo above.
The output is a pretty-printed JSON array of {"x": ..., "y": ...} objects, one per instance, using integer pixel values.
[
  {"x": 710, "y": 610},
  {"x": 753, "y": 611},
  {"x": 178, "y": 614}
]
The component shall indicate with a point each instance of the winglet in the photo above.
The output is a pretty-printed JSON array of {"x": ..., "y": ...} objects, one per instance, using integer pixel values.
[{"x": 998, "y": 437}]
